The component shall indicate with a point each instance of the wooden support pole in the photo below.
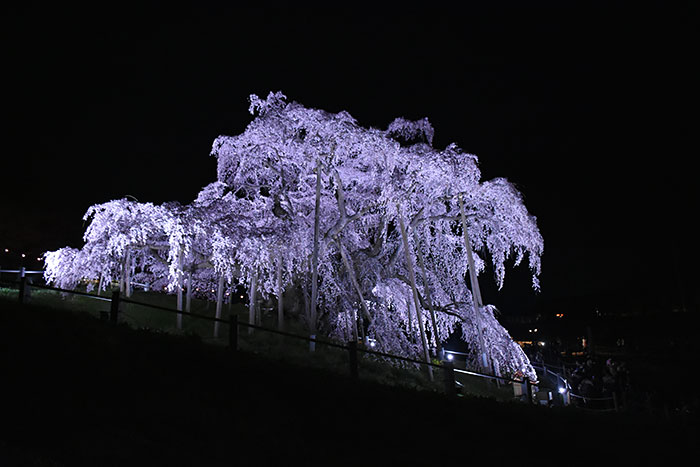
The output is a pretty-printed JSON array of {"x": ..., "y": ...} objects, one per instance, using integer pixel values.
[
  {"x": 251, "y": 301},
  {"x": 219, "y": 303},
  {"x": 188, "y": 297},
  {"x": 231, "y": 291},
  {"x": 280, "y": 295},
  {"x": 428, "y": 296},
  {"x": 355, "y": 285},
  {"x": 179, "y": 290},
  {"x": 409, "y": 299},
  {"x": 314, "y": 257},
  {"x": 412, "y": 278},
  {"x": 122, "y": 278},
  {"x": 127, "y": 274},
  {"x": 476, "y": 291}
]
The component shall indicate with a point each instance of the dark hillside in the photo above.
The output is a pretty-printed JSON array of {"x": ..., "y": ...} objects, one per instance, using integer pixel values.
[{"x": 77, "y": 391}]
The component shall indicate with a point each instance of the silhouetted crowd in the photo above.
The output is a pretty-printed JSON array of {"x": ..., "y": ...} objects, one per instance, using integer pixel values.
[
  {"x": 598, "y": 379},
  {"x": 591, "y": 377}
]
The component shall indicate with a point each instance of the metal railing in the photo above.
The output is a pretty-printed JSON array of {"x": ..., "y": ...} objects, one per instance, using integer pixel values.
[
  {"x": 352, "y": 348},
  {"x": 599, "y": 404},
  {"x": 21, "y": 271}
]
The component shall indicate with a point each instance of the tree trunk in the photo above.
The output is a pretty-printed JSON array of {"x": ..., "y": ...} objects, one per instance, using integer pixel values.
[
  {"x": 100, "y": 284},
  {"x": 179, "y": 290},
  {"x": 122, "y": 278},
  {"x": 219, "y": 303},
  {"x": 412, "y": 278},
  {"x": 476, "y": 291},
  {"x": 428, "y": 297},
  {"x": 251, "y": 301},
  {"x": 280, "y": 295},
  {"x": 351, "y": 273},
  {"x": 348, "y": 327},
  {"x": 127, "y": 275},
  {"x": 314, "y": 258},
  {"x": 230, "y": 299},
  {"x": 132, "y": 270},
  {"x": 188, "y": 297}
]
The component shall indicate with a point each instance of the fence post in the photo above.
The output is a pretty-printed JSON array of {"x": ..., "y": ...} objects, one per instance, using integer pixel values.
[
  {"x": 114, "y": 308},
  {"x": 528, "y": 390},
  {"x": 449, "y": 370},
  {"x": 233, "y": 331},
  {"x": 22, "y": 288},
  {"x": 352, "y": 357}
]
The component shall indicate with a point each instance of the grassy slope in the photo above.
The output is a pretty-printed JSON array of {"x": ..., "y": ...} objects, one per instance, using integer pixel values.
[{"x": 79, "y": 392}]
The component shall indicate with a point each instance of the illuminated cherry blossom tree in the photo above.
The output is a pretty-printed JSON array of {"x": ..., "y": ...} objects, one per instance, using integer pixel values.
[{"x": 381, "y": 235}]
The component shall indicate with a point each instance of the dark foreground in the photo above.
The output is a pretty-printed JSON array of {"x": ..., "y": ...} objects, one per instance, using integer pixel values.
[{"x": 77, "y": 391}]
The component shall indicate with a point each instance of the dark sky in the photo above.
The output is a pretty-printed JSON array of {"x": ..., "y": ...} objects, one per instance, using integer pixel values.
[{"x": 588, "y": 109}]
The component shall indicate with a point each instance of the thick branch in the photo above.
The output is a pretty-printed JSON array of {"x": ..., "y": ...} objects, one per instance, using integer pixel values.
[{"x": 442, "y": 309}]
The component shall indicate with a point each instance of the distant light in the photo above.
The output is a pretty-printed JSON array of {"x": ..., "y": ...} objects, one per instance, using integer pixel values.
[
  {"x": 450, "y": 357},
  {"x": 562, "y": 390},
  {"x": 212, "y": 291},
  {"x": 6, "y": 250},
  {"x": 540, "y": 343},
  {"x": 241, "y": 296},
  {"x": 23, "y": 255},
  {"x": 39, "y": 259},
  {"x": 559, "y": 315}
]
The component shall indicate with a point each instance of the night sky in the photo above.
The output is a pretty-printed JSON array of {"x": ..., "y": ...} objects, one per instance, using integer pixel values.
[{"x": 587, "y": 109}]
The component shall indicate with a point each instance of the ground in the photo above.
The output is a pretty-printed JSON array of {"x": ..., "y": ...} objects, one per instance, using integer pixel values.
[{"x": 81, "y": 392}]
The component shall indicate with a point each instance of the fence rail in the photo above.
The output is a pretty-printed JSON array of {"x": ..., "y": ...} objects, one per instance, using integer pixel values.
[
  {"x": 20, "y": 271},
  {"x": 351, "y": 347}
]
